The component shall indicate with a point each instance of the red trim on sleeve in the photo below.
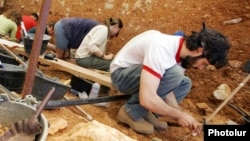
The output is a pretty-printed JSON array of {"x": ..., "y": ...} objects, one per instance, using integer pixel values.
[
  {"x": 151, "y": 71},
  {"x": 177, "y": 56}
]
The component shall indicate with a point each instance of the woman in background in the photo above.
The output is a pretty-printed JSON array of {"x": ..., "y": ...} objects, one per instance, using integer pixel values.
[
  {"x": 89, "y": 38},
  {"x": 9, "y": 21},
  {"x": 91, "y": 52}
]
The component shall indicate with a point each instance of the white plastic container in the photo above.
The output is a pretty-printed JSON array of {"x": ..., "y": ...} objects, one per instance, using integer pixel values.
[
  {"x": 94, "y": 93},
  {"x": 94, "y": 90}
]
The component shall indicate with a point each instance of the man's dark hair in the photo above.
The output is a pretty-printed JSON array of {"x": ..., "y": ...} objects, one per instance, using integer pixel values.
[
  {"x": 215, "y": 45},
  {"x": 35, "y": 15}
]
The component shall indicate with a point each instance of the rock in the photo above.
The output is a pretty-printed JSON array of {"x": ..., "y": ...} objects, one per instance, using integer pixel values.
[
  {"x": 211, "y": 67},
  {"x": 57, "y": 124},
  {"x": 94, "y": 131},
  {"x": 222, "y": 92},
  {"x": 204, "y": 106},
  {"x": 230, "y": 122},
  {"x": 188, "y": 103},
  {"x": 235, "y": 63},
  {"x": 156, "y": 139},
  {"x": 232, "y": 21}
]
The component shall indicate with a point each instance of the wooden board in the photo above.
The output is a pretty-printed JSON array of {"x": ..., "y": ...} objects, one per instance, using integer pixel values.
[
  {"x": 78, "y": 71},
  {"x": 63, "y": 66}
]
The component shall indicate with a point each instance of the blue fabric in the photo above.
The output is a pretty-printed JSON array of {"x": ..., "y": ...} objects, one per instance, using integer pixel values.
[
  {"x": 127, "y": 81},
  {"x": 76, "y": 29},
  {"x": 179, "y": 33},
  {"x": 61, "y": 41}
]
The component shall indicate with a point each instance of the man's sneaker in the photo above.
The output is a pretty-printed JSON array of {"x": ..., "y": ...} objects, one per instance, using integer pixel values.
[
  {"x": 140, "y": 126},
  {"x": 150, "y": 117}
]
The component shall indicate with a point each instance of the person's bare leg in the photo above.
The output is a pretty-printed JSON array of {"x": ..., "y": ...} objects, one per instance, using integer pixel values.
[
  {"x": 60, "y": 53},
  {"x": 52, "y": 47},
  {"x": 67, "y": 54}
]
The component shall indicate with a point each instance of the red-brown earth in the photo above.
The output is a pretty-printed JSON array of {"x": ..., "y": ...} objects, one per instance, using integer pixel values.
[{"x": 167, "y": 16}]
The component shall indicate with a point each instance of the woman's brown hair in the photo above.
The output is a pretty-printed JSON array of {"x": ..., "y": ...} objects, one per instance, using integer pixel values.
[
  {"x": 13, "y": 15},
  {"x": 114, "y": 21}
]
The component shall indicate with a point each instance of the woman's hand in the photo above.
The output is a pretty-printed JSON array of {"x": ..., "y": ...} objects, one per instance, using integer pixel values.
[{"x": 108, "y": 57}]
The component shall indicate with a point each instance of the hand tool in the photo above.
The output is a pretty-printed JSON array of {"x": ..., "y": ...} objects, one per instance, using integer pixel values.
[
  {"x": 62, "y": 103},
  {"x": 245, "y": 116}
]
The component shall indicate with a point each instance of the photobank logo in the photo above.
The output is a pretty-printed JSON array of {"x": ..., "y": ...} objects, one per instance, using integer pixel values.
[{"x": 233, "y": 132}]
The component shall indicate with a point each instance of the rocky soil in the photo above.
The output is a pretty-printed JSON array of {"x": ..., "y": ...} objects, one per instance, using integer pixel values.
[{"x": 167, "y": 16}]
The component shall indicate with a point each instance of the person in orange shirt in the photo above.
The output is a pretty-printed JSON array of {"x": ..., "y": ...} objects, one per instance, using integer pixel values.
[{"x": 29, "y": 21}]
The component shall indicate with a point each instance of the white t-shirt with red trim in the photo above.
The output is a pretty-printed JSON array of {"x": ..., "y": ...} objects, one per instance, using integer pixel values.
[{"x": 156, "y": 51}]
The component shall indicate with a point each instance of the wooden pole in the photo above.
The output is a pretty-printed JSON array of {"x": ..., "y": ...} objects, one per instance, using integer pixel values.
[
  {"x": 36, "y": 47},
  {"x": 88, "y": 116}
]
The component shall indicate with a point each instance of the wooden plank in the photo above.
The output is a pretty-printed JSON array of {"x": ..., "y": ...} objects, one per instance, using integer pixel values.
[
  {"x": 10, "y": 43},
  {"x": 78, "y": 71},
  {"x": 66, "y": 66}
]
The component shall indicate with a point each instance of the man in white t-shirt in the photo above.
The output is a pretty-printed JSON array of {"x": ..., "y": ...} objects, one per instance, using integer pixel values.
[{"x": 150, "y": 68}]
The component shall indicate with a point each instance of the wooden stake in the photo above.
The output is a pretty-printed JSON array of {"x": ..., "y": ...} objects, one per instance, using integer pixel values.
[{"x": 89, "y": 117}]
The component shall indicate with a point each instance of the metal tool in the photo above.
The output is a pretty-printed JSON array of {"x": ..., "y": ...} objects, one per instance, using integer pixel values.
[
  {"x": 245, "y": 116},
  {"x": 26, "y": 129},
  {"x": 62, "y": 103}
]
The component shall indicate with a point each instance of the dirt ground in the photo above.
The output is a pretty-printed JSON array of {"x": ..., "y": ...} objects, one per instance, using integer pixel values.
[{"x": 167, "y": 16}]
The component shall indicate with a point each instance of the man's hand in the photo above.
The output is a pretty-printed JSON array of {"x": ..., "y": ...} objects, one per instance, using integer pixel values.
[
  {"x": 197, "y": 131},
  {"x": 187, "y": 120}
]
